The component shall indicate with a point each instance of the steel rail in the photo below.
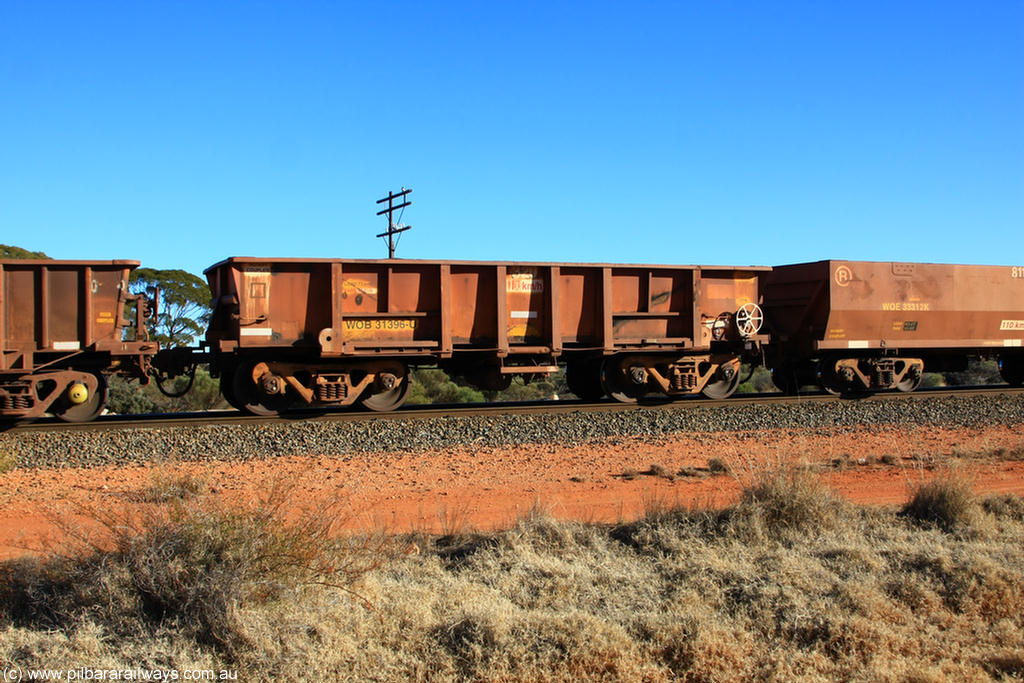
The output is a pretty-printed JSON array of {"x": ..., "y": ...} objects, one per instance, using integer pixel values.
[{"x": 232, "y": 417}]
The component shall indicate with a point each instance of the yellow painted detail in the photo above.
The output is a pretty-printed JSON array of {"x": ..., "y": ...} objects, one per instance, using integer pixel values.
[
  {"x": 78, "y": 393},
  {"x": 906, "y": 306},
  {"x": 379, "y": 328},
  {"x": 353, "y": 286}
]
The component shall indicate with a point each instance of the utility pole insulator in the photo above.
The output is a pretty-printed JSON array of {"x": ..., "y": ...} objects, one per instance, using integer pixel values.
[{"x": 393, "y": 228}]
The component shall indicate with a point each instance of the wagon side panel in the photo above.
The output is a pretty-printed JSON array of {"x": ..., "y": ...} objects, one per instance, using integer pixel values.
[
  {"x": 652, "y": 306},
  {"x": 915, "y": 305}
]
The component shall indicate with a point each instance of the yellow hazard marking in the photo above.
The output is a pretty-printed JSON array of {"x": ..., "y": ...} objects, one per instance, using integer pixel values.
[
  {"x": 906, "y": 306},
  {"x": 363, "y": 328}
]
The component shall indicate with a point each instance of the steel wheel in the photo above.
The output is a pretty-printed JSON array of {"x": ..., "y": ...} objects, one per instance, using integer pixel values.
[
  {"x": 89, "y": 408},
  {"x": 390, "y": 389},
  {"x": 722, "y": 385},
  {"x": 910, "y": 382},
  {"x": 584, "y": 380},
  {"x": 827, "y": 379},
  {"x": 227, "y": 389},
  {"x": 616, "y": 381},
  {"x": 1012, "y": 370},
  {"x": 250, "y": 399},
  {"x": 785, "y": 379}
]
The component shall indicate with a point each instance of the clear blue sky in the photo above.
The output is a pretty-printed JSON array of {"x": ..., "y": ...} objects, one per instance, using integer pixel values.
[{"x": 180, "y": 133}]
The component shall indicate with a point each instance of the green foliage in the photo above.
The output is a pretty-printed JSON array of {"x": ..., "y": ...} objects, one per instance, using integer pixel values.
[
  {"x": 183, "y": 306},
  {"x": 978, "y": 372},
  {"x": 129, "y": 398},
  {"x": 760, "y": 381},
  {"x": 126, "y": 397},
  {"x": 7, "y": 251},
  {"x": 432, "y": 385},
  {"x": 542, "y": 389}
]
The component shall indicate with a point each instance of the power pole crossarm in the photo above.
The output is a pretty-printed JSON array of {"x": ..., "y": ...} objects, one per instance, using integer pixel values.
[{"x": 393, "y": 228}]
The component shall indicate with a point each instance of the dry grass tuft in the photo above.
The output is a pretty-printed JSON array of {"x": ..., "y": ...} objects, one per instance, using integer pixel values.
[
  {"x": 718, "y": 466},
  {"x": 657, "y": 505},
  {"x": 1005, "y": 665},
  {"x": 1006, "y": 506},
  {"x": 782, "y": 501},
  {"x": 454, "y": 520},
  {"x": 189, "y": 565},
  {"x": 659, "y": 470},
  {"x": 787, "y": 585},
  {"x": 841, "y": 463},
  {"x": 946, "y": 502},
  {"x": 8, "y": 461},
  {"x": 169, "y": 485},
  {"x": 1001, "y": 453}
]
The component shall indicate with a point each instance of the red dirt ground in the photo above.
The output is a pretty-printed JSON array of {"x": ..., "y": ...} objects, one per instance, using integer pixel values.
[{"x": 462, "y": 488}]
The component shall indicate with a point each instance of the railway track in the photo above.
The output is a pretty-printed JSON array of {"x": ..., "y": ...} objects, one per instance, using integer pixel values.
[{"x": 231, "y": 417}]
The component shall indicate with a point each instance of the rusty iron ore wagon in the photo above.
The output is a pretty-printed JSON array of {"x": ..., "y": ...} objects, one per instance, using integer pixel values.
[
  {"x": 291, "y": 333},
  {"x": 855, "y": 326},
  {"x": 61, "y": 332}
]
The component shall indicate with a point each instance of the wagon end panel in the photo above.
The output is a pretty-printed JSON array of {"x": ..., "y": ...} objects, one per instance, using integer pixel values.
[
  {"x": 727, "y": 306},
  {"x": 105, "y": 296},
  {"x": 796, "y": 302},
  {"x": 224, "y": 280}
]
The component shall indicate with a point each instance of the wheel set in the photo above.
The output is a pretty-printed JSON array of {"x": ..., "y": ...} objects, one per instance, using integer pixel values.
[{"x": 267, "y": 389}]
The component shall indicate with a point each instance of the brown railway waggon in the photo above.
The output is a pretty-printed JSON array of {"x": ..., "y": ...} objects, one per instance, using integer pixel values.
[
  {"x": 290, "y": 333},
  {"x": 856, "y": 326},
  {"x": 61, "y": 329}
]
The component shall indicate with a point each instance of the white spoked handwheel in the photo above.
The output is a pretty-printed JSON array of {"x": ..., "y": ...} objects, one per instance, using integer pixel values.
[{"x": 748, "y": 319}]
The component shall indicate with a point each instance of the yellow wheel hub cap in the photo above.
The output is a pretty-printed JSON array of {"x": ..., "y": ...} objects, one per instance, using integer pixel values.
[{"x": 78, "y": 393}]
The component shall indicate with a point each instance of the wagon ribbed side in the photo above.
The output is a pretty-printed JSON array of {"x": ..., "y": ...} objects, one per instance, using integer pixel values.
[
  {"x": 289, "y": 331},
  {"x": 871, "y": 325},
  {"x": 61, "y": 328}
]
